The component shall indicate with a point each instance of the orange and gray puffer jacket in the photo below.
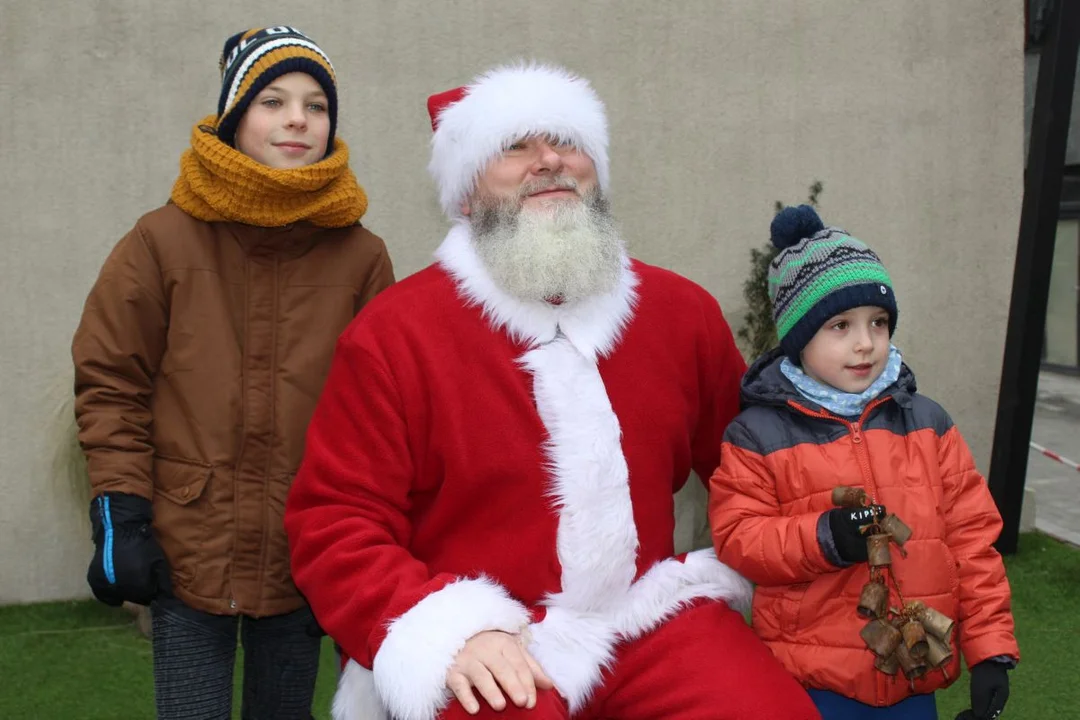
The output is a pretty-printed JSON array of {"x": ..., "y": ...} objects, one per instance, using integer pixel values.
[{"x": 782, "y": 457}]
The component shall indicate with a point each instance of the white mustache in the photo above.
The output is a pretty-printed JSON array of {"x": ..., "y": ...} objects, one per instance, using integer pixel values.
[{"x": 557, "y": 183}]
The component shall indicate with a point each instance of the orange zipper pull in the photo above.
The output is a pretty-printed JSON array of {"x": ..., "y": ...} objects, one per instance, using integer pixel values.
[{"x": 856, "y": 436}]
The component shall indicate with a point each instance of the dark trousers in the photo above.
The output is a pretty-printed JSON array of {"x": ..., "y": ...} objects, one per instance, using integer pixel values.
[{"x": 194, "y": 655}]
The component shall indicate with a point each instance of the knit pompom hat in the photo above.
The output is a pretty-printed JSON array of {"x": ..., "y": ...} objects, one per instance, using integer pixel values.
[
  {"x": 253, "y": 59},
  {"x": 820, "y": 272}
]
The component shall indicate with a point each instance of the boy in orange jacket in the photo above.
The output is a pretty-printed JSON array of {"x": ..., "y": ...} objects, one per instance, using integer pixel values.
[{"x": 834, "y": 405}]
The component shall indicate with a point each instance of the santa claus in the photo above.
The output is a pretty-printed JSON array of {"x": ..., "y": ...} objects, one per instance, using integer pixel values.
[{"x": 483, "y": 520}]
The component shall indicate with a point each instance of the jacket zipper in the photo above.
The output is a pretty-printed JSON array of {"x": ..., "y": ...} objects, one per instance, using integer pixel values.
[{"x": 856, "y": 430}]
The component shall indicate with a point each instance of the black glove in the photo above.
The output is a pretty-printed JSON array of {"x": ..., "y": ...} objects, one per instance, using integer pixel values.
[
  {"x": 846, "y": 526},
  {"x": 128, "y": 563},
  {"x": 989, "y": 691}
]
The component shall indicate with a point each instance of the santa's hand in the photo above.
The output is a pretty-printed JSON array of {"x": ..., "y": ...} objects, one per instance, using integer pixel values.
[{"x": 492, "y": 660}]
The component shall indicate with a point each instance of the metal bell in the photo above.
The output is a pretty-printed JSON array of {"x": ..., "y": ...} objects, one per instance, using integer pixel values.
[
  {"x": 888, "y": 665},
  {"x": 881, "y": 637},
  {"x": 912, "y": 666},
  {"x": 939, "y": 653},
  {"x": 877, "y": 550},
  {"x": 937, "y": 624},
  {"x": 915, "y": 638},
  {"x": 895, "y": 526},
  {"x": 874, "y": 600},
  {"x": 843, "y": 496}
]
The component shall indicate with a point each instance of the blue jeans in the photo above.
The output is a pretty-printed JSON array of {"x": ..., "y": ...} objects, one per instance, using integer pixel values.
[{"x": 833, "y": 706}]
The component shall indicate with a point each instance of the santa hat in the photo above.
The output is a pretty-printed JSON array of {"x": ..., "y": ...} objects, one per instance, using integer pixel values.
[{"x": 475, "y": 123}]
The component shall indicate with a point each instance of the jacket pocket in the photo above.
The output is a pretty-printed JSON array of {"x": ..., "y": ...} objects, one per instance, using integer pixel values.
[
  {"x": 180, "y": 514},
  {"x": 180, "y": 481},
  {"x": 953, "y": 567},
  {"x": 775, "y": 614},
  {"x": 822, "y": 596}
]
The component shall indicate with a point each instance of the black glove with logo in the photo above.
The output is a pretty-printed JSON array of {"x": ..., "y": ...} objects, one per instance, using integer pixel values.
[
  {"x": 989, "y": 691},
  {"x": 128, "y": 563},
  {"x": 847, "y": 527}
]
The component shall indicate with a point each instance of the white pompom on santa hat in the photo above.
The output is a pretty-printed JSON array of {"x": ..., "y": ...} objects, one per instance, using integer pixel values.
[{"x": 475, "y": 123}]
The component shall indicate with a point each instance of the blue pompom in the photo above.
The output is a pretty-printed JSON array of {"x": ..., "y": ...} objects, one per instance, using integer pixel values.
[{"x": 793, "y": 224}]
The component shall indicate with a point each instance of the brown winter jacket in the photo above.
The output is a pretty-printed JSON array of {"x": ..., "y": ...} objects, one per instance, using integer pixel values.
[{"x": 201, "y": 353}]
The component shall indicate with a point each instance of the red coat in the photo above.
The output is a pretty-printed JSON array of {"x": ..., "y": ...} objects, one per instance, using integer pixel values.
[
  {"x": 783, "y": 456},
  {"x": 478, "y": 463}
]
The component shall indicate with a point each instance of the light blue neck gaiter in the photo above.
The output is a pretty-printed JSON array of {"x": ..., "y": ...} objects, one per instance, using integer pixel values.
[{"x": 838, "y": 401}]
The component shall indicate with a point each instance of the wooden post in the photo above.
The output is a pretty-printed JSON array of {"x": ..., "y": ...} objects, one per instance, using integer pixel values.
[{"x": 1034, "y": 259}]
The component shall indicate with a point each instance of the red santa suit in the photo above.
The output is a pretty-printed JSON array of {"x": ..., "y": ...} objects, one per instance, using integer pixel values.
[{"x": 482, "y": 462}]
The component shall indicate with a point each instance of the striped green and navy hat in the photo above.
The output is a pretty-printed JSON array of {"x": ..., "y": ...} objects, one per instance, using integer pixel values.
[
  {"x": 253, "y": 59},
  {"x": 820, "y": 272}
]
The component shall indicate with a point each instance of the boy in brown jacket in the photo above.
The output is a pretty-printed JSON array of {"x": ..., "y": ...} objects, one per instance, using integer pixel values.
[{"x": 200, "y": 355}]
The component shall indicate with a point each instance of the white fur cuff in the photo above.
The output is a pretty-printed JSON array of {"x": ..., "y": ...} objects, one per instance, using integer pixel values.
[{"x": 410, "y": 667}]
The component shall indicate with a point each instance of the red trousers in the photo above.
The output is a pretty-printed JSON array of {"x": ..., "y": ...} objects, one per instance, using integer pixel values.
[{"x": 703, "y": 664}]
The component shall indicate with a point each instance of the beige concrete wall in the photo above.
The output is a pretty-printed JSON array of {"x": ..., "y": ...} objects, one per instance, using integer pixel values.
[{"x": 911, "y": 113}]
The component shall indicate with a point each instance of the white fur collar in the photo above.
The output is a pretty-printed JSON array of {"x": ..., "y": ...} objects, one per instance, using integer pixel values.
[{"x": 594, "y": 325}]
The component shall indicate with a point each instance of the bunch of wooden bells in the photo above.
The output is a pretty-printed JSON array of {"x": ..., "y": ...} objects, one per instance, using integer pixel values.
[{"x": 913, "y": 638}]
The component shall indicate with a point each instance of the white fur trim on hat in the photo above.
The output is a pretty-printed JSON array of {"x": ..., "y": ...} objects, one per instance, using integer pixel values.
[{"x": 507, "y": 104}]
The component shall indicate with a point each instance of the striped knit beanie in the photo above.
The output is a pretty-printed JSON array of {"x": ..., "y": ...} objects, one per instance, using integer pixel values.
[
  {"x": 820, "y": 272},
  {"x": 253, "y": 59}
]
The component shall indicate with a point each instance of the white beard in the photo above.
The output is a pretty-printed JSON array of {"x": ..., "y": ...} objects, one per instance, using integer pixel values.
[{"x": 562, "y": 252}]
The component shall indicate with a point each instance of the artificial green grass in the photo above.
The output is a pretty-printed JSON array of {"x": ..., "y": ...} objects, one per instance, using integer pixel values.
[
  {"x": 1045, "y": 579},
  {"x": 85, "y": 661}
]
